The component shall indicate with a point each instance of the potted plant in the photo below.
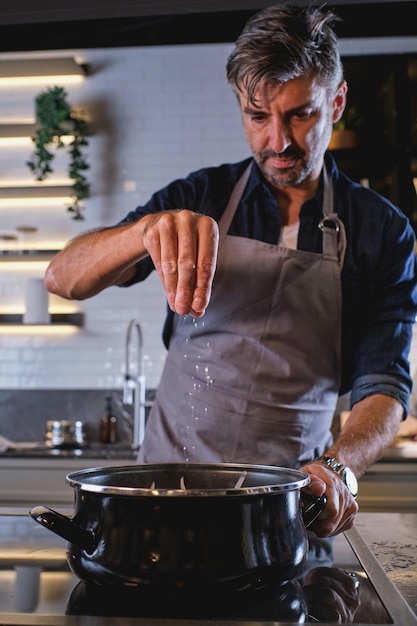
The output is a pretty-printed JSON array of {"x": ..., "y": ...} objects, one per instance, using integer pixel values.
[
  {"x": 345, "y": 131},
  {"x": 55, "y": 120}
]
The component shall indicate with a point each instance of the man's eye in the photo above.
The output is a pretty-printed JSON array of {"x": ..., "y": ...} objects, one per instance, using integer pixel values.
[
  {"x": 258, "y": 117},
  {"x": 302, "y": 115}
]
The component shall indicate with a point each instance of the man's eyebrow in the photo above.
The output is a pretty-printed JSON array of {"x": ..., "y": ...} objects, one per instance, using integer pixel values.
[
  {"x": 259, "y": 110},
  {"x": 248, "y": 109}
]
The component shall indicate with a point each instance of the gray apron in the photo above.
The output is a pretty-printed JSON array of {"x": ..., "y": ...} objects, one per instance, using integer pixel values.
[{"x": 256, "y": 379}]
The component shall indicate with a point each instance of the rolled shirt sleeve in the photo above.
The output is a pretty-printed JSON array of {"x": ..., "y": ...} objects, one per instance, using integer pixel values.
[{"x": 384, "y": 384}]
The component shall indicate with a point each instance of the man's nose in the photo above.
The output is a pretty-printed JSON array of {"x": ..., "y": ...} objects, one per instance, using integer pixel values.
[{"x": 279, "y": 136}]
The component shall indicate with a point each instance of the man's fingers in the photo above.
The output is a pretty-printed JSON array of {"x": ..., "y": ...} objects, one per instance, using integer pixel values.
[
  {"x": 208, "y": 241},
  {"x": 183, "y": 247},
  {"x": 160, "y": 239},
  {"x": 187, "y": 233}
]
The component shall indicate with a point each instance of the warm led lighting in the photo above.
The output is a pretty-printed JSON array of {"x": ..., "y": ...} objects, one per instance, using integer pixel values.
[
  {"x": 26, "y": 142},
  {"x": 19, "y": 81},
  {"x": 19, "y": 310},
  {"x": 27, "y": 184},
  {"x": 15, "y": 142},
  {"x": 36, "y": 329},
  {"x": 10, "y": 310},
  {"x": 6, "y": 203},
  {"x": 18, "y": 122}
]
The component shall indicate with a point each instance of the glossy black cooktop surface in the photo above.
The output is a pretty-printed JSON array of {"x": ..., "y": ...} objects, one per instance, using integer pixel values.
[{"x": 35, "y": 580}]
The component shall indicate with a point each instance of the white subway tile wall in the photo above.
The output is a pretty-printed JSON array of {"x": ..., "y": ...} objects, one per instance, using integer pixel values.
[{"x": 157, "y": 113}]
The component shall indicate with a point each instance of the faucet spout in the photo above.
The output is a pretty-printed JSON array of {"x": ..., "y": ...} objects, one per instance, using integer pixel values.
[{"x": 134, "y": 387}]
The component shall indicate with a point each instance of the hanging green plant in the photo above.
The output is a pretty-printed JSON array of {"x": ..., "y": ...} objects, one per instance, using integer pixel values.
[{"x": 55, "y": 120}]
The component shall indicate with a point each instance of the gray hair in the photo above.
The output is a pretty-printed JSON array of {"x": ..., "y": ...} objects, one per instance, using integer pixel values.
[{"x": 284, "y": 42}]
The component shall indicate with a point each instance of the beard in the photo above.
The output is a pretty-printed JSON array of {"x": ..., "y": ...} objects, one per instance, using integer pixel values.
[
  {"x": 305, "y": 162},
  {"x": 290, "y": 177}
]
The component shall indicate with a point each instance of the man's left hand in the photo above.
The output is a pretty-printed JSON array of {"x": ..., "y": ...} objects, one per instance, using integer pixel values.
[{"x": 340, "y": 511}]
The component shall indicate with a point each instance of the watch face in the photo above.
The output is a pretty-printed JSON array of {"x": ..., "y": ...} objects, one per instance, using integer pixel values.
[{"x": 350, "y": 481}]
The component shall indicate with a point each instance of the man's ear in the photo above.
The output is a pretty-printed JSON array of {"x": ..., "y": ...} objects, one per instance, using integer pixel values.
[{"x": 339, "y": 101}]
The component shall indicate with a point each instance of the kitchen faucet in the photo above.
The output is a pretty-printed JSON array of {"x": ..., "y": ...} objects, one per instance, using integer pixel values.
[{"x": 134, "y": 390}]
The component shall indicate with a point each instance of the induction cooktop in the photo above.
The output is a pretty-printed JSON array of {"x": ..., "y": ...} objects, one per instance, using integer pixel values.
[{"x": 37, "y": 587}]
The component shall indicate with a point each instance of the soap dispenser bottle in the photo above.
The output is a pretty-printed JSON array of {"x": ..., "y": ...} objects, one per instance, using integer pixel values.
[{"x": 108, "y": 424}]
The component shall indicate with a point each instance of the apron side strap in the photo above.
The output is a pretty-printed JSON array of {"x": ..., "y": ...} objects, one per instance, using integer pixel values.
[{"x": 334, "y": 237}]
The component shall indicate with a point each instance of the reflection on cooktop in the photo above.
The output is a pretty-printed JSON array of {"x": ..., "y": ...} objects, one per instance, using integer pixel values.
[
  {"x": 288, "y": 604},
  {"x": 328, "y": 594}
]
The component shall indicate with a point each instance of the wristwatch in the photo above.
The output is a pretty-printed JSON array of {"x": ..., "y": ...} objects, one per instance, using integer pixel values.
[{"x": 344, "y": 472}]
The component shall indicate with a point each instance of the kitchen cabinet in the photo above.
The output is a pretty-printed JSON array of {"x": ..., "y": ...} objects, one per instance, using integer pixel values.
[{"x": 383, "y": 91}]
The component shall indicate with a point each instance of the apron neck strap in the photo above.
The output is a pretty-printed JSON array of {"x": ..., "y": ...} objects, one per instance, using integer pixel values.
[{"x": 234, "y": 200}]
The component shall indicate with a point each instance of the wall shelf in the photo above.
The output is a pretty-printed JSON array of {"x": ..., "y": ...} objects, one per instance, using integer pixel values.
[
  {"x": 36, "y": 191},
  {"x": 69, "y": 319},
  {"x": 16, "y": 130},
  {"x": 27, "y": 256},
  {"x": 26, "y": 68}
]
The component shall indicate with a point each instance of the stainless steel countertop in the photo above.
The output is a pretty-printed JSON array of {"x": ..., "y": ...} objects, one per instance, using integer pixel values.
[{"x": 392, "y": 538}]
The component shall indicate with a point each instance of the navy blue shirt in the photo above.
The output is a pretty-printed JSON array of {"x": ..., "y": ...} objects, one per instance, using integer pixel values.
[{"x": 378, "y": 277}]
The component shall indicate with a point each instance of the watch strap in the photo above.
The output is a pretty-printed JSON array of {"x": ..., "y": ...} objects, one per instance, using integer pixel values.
[
  {"x": 332, "y": 463},
  {"x": 345, "y": 473}
]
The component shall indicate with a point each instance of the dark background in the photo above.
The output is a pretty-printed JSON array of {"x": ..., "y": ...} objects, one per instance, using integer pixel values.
[{"x": 54, "y": 24}]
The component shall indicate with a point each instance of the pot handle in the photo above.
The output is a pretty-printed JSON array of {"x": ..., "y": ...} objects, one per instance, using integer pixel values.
[
  {"x": 312, "y": 510},
  {"x": 64, "y": 527}
]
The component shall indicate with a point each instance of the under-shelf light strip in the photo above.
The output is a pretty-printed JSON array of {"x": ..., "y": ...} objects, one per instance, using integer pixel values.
[
  {"x": 26, "y": 141},
  {"x": 9, "y": 203},
  {"x": 36, "y": 329},
  {"x": 38, "y": 80}
]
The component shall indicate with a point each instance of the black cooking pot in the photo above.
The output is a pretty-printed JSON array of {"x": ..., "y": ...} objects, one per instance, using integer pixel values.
[{"x": 186, "y": 529}]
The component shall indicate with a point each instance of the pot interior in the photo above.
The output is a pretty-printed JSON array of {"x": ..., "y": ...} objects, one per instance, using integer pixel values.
[{"x": 187, "y": 479}]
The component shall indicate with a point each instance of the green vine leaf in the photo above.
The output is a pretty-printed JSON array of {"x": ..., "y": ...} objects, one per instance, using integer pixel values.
[{"x": 55, "y": 120}]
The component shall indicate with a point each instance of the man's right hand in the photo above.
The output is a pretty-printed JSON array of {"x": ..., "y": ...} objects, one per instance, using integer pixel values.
[{"x": 183, "y": 247}]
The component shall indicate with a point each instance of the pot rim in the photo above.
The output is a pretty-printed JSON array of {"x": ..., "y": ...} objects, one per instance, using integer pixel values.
[{"x": 275, "y": 479}]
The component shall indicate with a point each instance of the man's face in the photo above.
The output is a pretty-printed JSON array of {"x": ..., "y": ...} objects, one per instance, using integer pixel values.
[{"x": 290, "y": 127}]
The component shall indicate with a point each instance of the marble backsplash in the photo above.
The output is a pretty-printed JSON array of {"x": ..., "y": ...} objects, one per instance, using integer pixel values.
[{"x": 24, "y": 413}]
